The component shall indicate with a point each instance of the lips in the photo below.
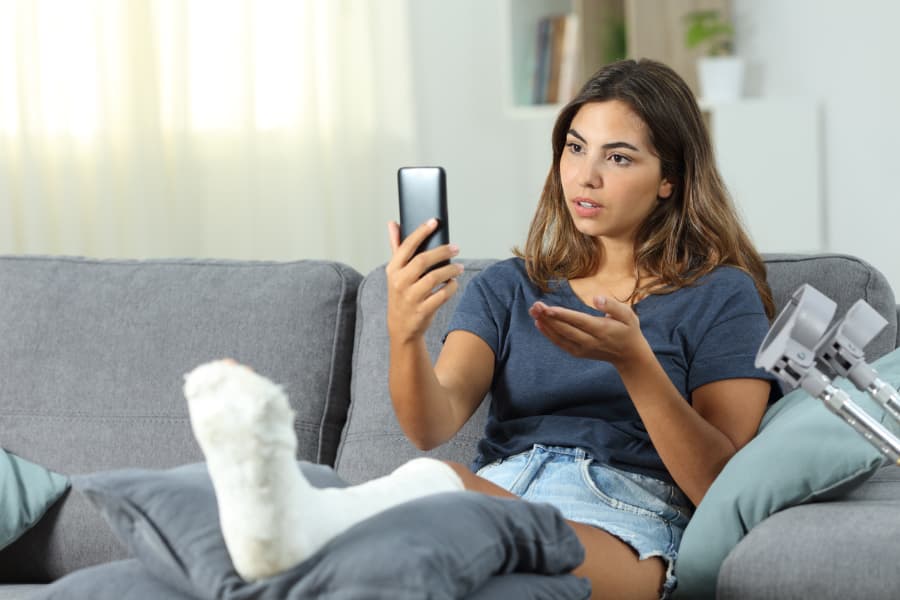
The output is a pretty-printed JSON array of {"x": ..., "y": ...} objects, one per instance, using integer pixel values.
[{"x": 585, "y": 207}]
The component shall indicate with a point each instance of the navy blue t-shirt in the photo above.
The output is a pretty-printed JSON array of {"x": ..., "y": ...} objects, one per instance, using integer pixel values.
[{"x": 542, "y": 395}]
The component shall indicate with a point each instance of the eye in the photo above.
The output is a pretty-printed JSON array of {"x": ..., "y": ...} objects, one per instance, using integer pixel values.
[
  {"x": 574, "y": 147},
  {"x": 620, "y": 159}
]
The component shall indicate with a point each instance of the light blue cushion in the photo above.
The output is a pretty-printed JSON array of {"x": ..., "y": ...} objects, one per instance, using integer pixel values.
[
  {"x": 27, "y": 490},
  {"x": 802, "y": 453}
]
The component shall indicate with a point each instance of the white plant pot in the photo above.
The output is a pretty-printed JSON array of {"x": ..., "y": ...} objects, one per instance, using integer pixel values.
[{"x": 721, "y": 78}]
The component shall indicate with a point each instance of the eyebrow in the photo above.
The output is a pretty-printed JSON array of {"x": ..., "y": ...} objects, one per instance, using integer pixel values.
[{"x": 608, "y": 146}]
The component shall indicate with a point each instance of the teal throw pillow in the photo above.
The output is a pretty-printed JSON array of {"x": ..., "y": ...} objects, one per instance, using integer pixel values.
[
  {"x": 27, "y": 490},
  {"x": 802, "y": 453}
]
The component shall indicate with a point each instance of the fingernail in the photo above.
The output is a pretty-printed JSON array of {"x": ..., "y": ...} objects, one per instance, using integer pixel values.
[
  {"x": 432, "y": 222},
  {"x": 454, "y": 249},
  {"x": 461, "y": 268},
  {"x": 600, "y": 300}
]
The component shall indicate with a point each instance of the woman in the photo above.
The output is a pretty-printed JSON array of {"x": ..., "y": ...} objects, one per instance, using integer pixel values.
[
  {"x": 618, "y": 348},
  {"x": 633, "y": 220}
]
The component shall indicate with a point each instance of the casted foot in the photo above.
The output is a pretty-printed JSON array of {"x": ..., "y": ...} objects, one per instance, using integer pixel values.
[
  {"x": 271, "y": 517},
  {"x": 244, "y": 426}
]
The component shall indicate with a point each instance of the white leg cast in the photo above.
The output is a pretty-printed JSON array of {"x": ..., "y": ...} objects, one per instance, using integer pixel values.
[{"x": 271, "y": 518}]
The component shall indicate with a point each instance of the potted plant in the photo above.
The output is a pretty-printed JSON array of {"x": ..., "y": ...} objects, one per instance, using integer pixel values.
[{"x": 721, "y": 74}]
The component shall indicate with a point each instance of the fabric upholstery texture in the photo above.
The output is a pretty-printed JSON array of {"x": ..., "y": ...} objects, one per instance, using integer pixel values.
[
  {"x": 373, "y": 443},
  {"x": 117, "y": 580},
  {"x": 845, "y": 279},
  {"x": 829, "y": 550},
  {"x": 27, "y": 490},
  {"x": 803, "y": 453},
  {"x": 441, "y": 546},
  {"x": 93, "y": 358},
  {"x": 94, "y": 351},
  {"x": 18, "y": 591}
]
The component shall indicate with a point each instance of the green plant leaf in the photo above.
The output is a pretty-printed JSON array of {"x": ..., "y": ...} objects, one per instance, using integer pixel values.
[{"x": 707, "y": 28}]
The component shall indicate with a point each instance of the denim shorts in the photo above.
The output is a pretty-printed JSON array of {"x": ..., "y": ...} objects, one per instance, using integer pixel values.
[{"x": 644, "y": 512}]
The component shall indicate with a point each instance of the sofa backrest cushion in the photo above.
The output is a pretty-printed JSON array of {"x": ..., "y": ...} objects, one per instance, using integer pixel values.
[
  {"x": 373, "y": 443},
  {"x": 92, "y": 357},
  {"x": 845, "y": 279}
]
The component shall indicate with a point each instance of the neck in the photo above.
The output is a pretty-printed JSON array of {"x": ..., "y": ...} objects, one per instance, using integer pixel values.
[{"x": 617, "y": 258}]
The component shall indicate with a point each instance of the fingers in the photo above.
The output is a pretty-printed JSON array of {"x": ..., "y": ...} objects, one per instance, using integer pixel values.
[
  {"x": 428, "y": 283},
  {"x": 619, "y": 311},
  {"x": 573, "y": 318},
  {"x": 412, "y": 306},
  {"x": 572, "y": 337},
  {"x": 394, "y": 235},
  {"x": 405, "y": 257},
  {"x": 416, "y": 270},
  {"x": 405, "y": 249},
  {"x": 440, "y": 296}
]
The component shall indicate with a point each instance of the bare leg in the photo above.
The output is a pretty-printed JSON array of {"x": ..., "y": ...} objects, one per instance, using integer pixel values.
[{"x": 610, "y": 564}]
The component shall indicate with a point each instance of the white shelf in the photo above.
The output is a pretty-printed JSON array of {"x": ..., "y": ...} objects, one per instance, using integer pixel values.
[
  {"x": 520, "y": 22},
  {"x": 534, "y": 111}
]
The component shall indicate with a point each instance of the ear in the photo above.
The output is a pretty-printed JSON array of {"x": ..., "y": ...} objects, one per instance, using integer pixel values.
[{"x": 665, "y": 190}]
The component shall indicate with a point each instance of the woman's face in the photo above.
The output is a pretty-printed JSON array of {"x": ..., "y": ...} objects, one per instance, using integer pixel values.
[{"x": 611, "y": 176}]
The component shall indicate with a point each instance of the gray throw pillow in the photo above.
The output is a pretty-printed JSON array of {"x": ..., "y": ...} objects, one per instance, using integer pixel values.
[
  {"x": 444, "y": 546},
  {"x": 120, "y": 580}
]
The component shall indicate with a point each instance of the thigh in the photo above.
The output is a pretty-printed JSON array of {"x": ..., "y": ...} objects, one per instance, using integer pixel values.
[
  {"x": 611, "y": 565},
  {"x": 614, "y": 569}
]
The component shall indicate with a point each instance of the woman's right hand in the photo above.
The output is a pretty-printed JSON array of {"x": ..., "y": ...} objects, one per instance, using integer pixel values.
[{"x": 415, "y": 295}]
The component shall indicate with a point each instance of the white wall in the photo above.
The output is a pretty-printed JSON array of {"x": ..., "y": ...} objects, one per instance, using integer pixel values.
[
  {"x": 844, "y": 54},
  {"x": 496, "y": 162},
  {"x": 840, "y": 53}
]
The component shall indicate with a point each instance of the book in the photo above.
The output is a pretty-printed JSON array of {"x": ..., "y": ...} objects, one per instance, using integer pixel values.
[
  {"x": 557, "y": 59},
  {"x": 570, "y": 60},
  {"x": 555, "y": 49},
  {"x": 542, "y": 61}
]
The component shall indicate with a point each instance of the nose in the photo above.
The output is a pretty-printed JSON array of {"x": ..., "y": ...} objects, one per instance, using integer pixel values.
[{"x": 589, "y": 175}]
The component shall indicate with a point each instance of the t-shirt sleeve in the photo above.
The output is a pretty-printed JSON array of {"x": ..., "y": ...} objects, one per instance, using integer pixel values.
[
  {"x": 728, "y": 346},
  {"x": 481, "y": 312}
]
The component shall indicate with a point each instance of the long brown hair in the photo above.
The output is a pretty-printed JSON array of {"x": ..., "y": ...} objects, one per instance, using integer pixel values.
[{"x": 686, "y": 236}]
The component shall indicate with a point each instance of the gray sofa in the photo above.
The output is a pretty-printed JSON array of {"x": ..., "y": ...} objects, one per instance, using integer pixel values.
[{"x": 91, "y": 365}]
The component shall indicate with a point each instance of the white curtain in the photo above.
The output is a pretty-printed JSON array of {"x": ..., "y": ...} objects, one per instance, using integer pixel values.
[{"x": 267, "y": 129}]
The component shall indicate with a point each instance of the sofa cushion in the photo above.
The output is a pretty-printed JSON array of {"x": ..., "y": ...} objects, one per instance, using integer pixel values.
[
  {"x": 803, "y": 453},
  {"x": 92, "y": 365},
  {"x": 373, "y": 443},
  {"x": 27, "y": 490},
  {"x": 827, "y": 551},
  {"x": 441, "y": 546},
  {"x": 845, "y": 279}
]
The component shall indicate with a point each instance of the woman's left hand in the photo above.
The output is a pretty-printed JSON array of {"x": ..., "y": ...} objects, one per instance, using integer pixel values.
[{"x": 615, "y": 337}]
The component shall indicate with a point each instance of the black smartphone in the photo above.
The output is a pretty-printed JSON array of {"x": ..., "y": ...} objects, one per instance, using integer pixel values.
[{"x": 423, "y": 195}]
